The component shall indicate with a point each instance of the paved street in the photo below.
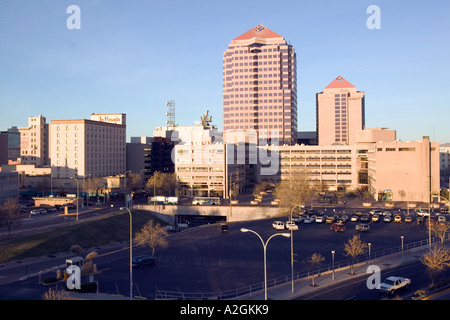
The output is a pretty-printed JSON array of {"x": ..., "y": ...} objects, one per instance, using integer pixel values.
[{"x": 203, "y": 261}]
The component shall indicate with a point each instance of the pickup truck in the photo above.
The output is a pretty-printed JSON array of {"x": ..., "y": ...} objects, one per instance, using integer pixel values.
[{"x": 392, "y": 284}]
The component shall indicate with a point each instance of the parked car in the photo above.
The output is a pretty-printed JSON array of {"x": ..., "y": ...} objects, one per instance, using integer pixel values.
[
  {"x": 144, "y": 260},
  {"x": 364, "y": 218},
  {"x": 308, "y": 220},
  {"x": 398, "y": 219},
  {"x": 35, "y": 212},
  {"x": 320, "y": 219},
  {"x": 376, "y": 218},
  {"x": 442, "y": 220},
  {"x": 298, "y": 219},
  {"x": 337, "y": 227},
  {"x": 290, "y": 225},
  {"x": 354, "y": 218},
  {"x": 387, "y": 219},
  {"x": 330, "y": 219},
  {"x": 278, "y": 225},
  {"x": 408, "y": 219},
  {"x": 345, "y": 217},
  {"x": 419, "y": 220},
  {"x": 362, "y": 227}
]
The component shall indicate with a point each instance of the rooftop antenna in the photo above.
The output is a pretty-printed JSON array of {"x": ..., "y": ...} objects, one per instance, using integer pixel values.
[{"x": 170, "y": 114}]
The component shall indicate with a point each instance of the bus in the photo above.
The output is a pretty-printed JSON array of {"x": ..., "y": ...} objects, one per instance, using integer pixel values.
[{"x": 206, "y": 201}]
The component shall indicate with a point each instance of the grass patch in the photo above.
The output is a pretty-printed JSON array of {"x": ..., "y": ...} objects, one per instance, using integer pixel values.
[{"x": 91, "y": 233}]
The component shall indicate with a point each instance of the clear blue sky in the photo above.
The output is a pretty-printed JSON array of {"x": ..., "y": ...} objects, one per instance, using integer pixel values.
[{"x": 132, "y": 56}]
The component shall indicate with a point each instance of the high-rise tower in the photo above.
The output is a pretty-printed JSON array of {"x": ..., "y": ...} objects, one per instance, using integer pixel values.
[
  {"x": 340, "y": 113},
  {"x": 260, "y": 85}
]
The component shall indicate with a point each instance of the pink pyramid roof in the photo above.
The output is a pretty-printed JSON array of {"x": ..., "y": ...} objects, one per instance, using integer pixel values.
[
  {"x": 339, "y": 83},
  {"x": 259, "y": 31}
]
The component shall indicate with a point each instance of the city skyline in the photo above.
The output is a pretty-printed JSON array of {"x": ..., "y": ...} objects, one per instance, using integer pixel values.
[{"x": 132, "y": 57}]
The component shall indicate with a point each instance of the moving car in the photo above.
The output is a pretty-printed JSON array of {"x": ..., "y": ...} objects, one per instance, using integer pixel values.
[
  {"x": 144, "y": 260},
  {"x": 223, "y": 228},
  {"x": 278, "y": 225},
  {"x": 392, "y": 284}
]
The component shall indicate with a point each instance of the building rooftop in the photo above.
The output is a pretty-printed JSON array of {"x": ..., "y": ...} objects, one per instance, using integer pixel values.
[
  {"x": 339, "y": 83},
  {"x": 258, "y": 32}
]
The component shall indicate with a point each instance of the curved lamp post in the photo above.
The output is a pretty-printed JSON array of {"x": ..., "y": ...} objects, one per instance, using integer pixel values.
[
  {"x": 78, "y": 191},
  {"x": 287, "y": 235},
  {"x": 131, "y": 252}
]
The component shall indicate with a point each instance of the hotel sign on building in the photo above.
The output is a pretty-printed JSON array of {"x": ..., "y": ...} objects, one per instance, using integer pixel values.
[{"x": 114, "y": 118}]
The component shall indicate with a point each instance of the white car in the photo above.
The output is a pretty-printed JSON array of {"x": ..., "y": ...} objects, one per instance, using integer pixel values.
[
  {"x": 290, "y": 225},
  {"x": 278, "y": 225},
  {"x": 354, "y": 218}
]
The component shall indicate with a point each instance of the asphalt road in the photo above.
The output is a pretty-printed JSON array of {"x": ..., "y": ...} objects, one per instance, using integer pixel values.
[{"x": 202, "y": 260}]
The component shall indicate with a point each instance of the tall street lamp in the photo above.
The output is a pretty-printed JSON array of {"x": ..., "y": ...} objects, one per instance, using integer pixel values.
[
  {"x": 332, "y": 258},
  {"x": 78, "y": 190},
  {"x": 292, "y": 249},
  {"x": 287, "y": 235},
  {"x": 131, "y": 252}
]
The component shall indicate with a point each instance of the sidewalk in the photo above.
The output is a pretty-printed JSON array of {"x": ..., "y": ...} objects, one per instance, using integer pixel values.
[{"x": 304, "y": 285}]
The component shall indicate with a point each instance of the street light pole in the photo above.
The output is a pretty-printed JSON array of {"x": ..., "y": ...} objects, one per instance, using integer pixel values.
[
  {"x": 332, "y": 258},
  {"x": 131, "y": 253},
  {"x": 287, "y": 235},
  {"x": 292, "y": 251},
  {"x": 77, "y": 193}
]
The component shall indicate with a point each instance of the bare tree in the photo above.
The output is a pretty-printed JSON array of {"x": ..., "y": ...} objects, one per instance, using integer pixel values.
[
  {"x": 315, "y": 260},
  {"x": 9, "y": 214},
  {"x": 163, "y": 184},
  {"x": 294, "y": 191},
  {"x": 353, "y": 248},
  {"x": 55, "y": 294},
  {"x": 152, "y": 235},
  {"x": 440, "y": 230},
  {"x": 93, "y": 184},
  {"x": 436, "y": 261},
  {"x": 402, "y": 194}
]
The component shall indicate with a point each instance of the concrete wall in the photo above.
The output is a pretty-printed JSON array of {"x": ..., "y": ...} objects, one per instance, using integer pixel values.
[{"x": 238, "y": 213}]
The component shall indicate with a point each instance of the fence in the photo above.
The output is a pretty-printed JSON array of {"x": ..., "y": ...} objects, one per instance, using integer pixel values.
[{"x": 258, "y": 287}]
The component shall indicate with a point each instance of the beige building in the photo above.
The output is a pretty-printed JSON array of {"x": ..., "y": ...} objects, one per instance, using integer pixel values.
[
  {"x": 202, "y": 167},
  {"x": 334, "y": 167},
  {"x": 260, "y": 85},
  {"x": 402, "y": 171},
  {"x": 95, "y": 148},
  {"x": 340, "y": 113},
  {"x": 34, "y": 143}
]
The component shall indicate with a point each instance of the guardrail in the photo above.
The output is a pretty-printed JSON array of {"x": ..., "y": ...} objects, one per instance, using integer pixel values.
[{"x": 258, "y": 287}]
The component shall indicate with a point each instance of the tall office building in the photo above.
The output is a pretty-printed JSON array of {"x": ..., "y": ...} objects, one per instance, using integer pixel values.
[
  {"x": 34, "y": 144},
  {"x": 339, "y": 113},
  {"x": 95, "y": 147},
  {"x": 260, "y": 85}
]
